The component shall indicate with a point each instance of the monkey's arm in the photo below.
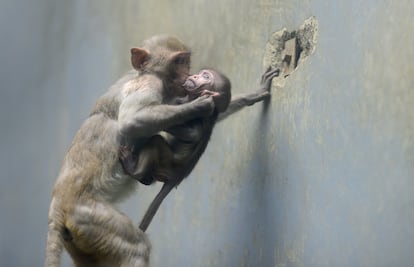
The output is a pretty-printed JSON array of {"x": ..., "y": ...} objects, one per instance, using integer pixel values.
[
  {"x": 240, "y": 101},
  {"x": 181, "y": 100},
  {"x": 142, "y": 114}
]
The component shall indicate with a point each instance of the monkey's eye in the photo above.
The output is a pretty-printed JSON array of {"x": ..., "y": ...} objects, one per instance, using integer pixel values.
[{"x": 205, "y": 75}]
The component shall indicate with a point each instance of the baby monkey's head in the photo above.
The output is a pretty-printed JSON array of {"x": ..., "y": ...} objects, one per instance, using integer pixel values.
[{"x": 210, "y": 82}]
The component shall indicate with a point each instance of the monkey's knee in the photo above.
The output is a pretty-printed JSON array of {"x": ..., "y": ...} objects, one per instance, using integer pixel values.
[
  {"x": 154, "y": 155},
  {"x": 156, "y": 140},
  {"x": 159, "y": 147},
  {"x": 102, "y": 222}
]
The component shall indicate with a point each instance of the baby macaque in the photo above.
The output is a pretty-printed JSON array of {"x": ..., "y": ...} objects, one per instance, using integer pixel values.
[
  {"x": 170, "y": 156},
  {"x": 166, "y": 155}
]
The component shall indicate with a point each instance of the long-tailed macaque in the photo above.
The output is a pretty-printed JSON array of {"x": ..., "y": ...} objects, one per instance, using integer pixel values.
[
  {"x": 164, "y": 157},
  {"x": 169, "y": 159},
  {"x": 82, "y": 217}
]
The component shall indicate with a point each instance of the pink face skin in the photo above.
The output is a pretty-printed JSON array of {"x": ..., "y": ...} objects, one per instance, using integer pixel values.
[{"x": 196, "y": 83}]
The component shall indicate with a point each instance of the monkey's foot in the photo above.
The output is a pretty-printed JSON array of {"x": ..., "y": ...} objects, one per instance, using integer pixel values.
[
  {"x": 161, "y": 177},
  {"x": 148, "y": 180},
  {"x": 127, "y": 159}
]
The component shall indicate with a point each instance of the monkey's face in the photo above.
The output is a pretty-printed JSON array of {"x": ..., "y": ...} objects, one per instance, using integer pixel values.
[
  {"x": 196, "y": 83},
  {"x": 179, "y": 65}
]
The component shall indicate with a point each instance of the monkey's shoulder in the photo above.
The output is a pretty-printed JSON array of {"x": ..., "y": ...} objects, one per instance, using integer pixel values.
[
  {"x": 108, "y": 104},
  {"x": 141, "y": 83}
]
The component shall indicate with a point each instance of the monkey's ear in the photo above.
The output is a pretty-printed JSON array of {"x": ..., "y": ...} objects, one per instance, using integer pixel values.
[
  {"x": 139, "y": 57},
  {"x": 181, "y": 57}
]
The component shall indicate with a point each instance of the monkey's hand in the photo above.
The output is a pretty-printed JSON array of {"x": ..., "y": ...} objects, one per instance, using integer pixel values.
[
  {"x": 204, "y": 105},
  {"x": 127, "y": 159},
  {"x": 240, "y": 101},
  {"x": 267, "y": 78},
  {"x": 265, "y": 86},
  {"x": 208, "y": 92}
]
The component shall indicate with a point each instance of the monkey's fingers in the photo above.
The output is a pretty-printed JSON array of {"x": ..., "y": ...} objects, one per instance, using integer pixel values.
[
  {"x": 210, "y": 93},
  {"x": 123, "y": 150},
  {"x": 125, "y": 155},
  {"x": 205, "y": 104},
  {"x": 272, "y": 73},
  {"x": 122, "y": 154},
  {"x": 125, "y": 147},
  {"x": 266, "y": 71},
  {"x": 202, "y": 97},
  {"x": 268, "y": 76}
]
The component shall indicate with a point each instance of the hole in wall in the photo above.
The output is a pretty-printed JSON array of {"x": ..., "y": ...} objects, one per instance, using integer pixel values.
[{"x": 287, "y": 50}]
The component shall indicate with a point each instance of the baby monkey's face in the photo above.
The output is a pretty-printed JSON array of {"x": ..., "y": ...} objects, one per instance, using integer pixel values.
[{"x": 195, "y": 84}]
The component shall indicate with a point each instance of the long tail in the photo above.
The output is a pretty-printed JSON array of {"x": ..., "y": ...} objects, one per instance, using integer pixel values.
[
  {"x": 183, "y": 170},
  {"x": 155, "y": 204},
  {"x": 186, "y": 167}
]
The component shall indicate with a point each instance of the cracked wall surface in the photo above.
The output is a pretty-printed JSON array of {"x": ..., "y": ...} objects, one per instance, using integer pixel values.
[
  {"x": 320, "y": 175},
  {"x": 286, "y": 50}
]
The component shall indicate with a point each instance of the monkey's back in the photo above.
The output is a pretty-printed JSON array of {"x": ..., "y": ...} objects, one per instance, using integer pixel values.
[
  {"x": 91, "y": 166},
  {"x": 190, "y": 152}
]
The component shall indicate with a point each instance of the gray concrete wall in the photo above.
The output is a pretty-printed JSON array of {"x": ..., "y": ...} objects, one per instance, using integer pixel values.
[{"x": 321, "y": 177}]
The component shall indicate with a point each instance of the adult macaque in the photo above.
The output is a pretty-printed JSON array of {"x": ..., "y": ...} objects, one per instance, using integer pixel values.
[
  {"x": 171, "y": 159},
  {"x": 82, "y": 217}
]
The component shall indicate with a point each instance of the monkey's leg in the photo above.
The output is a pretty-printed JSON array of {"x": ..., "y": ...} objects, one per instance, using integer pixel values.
[
  {"x": 128, "y": 160},
  {"x": 102, "y": 236},
  {"x": 155, "y": 204},
  {"x": 156, "y": 154}
]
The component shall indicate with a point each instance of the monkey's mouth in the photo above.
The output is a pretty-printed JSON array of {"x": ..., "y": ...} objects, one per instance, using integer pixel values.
[{"x": 189, "y": 85}]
